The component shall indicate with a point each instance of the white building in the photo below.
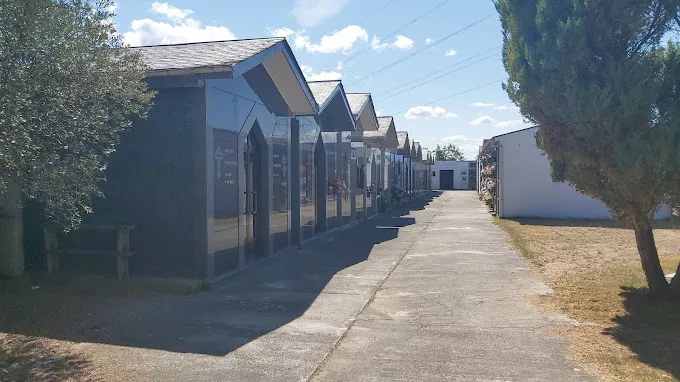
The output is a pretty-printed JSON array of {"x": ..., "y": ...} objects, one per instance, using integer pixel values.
[
  {"x": 526, "y": 189},
  {"x": 450, "y": 175}
]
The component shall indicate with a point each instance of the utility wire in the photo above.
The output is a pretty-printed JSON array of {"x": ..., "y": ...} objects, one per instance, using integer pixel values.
[
  {"x": 401, "y": 28},
  {"x": 411, "y": 55},
  {"x": 436, "y": 78},
  {"x": 455, "y": 95},
  {"x": 457, "y": 63},
  {"x": 376, "y": 11}
]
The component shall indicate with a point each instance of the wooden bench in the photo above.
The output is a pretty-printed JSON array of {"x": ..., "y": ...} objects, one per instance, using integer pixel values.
[{"x": 54, "y": 249}]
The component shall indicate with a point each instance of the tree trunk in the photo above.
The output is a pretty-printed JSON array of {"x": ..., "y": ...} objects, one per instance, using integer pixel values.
[
  {"x": 656, "y": 280},
  {"x": 675, "y": 283}
]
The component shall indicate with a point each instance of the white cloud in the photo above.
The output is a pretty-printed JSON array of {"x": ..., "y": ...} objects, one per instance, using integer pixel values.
[
  {"x": 180, "y": 29},
  {"x": 400, "y": 42},
  {"x": 487, "y": 120},
  {"x": 340, "y": 65},
  {"x": 321, "y": 76},
  {"x": 496, "y": 107},
  {"x": 379, "y": 112},
  {"x": 309, "y": 13},
  {"x": 483, "y": 120},
  {"x": 324, "y": 76},
  {"x": 506, "y": 108},
  {"x": 428, "y": 41},
  {"x": 281, "y": 32},
  {"x": 454, "y": 138},
  {"x": 425, "y": 112},
  {"x": 339, "y": 41},
  {"x": 510, "y": 123},
  {"x": 171, "y": 12},
  {"x": 403, "y": 42},
  {"x": 450, "y": 53}
]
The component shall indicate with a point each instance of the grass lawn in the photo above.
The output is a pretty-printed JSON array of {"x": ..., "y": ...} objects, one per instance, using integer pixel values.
[{"x": 594, "y": 270}]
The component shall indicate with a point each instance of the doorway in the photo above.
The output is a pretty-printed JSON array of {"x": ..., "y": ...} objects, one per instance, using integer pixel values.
[
  {"x": 253, "y": 199},
  {"x": 446, "y": 179}
]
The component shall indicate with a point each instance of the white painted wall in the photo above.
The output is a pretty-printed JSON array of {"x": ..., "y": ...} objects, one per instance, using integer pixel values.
[
  {"x": 527, "y": 190},
  {"x": 458, "y": 169}
]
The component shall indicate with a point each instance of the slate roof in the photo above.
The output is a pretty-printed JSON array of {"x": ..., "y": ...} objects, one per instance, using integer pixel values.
[
  {"x": 321, "y": 90},
  {"x": 203, "y": 54},
  {"x": 401, "y": 137},
  {"x": 384, "y": 124},
  {"x": 383, "y": 128},
  {"x": 357, "y": 101}
]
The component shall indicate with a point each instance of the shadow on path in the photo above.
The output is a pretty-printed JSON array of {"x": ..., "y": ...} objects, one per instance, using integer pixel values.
[{"x": 244, "y": 307}]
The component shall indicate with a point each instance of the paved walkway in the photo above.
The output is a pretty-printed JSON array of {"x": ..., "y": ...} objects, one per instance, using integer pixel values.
[{"x": 431, "y": 292}]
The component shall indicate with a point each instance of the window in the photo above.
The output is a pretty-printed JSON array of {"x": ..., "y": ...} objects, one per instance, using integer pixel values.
[{"x": 473, "y": 164}]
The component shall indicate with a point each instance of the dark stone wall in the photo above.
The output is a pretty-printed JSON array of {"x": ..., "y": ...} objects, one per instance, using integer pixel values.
[{"x": 156, "y": 180}]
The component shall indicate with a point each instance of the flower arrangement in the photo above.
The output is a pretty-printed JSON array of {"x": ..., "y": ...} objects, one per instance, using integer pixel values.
[
  {"x": 489, "y": 170},
  {"x": 371, "y": 189},
  {"x": 337, "y": 186},
  {"x": 397, "y": 193}
]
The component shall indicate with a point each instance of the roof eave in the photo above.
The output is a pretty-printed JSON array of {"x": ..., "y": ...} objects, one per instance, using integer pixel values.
[{"x": 227, "y": 69}]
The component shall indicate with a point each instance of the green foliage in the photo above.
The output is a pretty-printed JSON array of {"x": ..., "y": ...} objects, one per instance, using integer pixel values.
[
  {"x": 448, "y": 153},
  {"x": 68, "y": 89},
  {"x": 595, "y": 78}
]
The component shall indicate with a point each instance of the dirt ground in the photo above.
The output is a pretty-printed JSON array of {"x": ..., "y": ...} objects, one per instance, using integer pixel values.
[{"x": 594, "y": 270}]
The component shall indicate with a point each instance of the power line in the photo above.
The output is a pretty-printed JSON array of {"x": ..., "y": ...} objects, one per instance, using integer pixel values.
[
  {"x": 454, "y": 95},
  {"x": 411, "y": 55},
  {"x": 436, "y": 78},
  {"x": 457, "y": 63},
  {"x": 376, "y": 11},
  {"x": 408, "y": 24}
]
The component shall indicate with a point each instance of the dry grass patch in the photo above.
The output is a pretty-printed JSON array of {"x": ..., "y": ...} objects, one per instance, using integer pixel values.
[{"x": 594, "y": 269}]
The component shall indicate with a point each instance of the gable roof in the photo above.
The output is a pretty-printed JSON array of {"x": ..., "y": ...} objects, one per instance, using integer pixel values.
[
  {"x": 384, "y": 123},
  {"x": 205, "y": 56},
  {"x": 334, "y": 107},
  {"x": 386, "y": 133},
  {"x": 322, "y": 90},
  {"x": 402, "y": 137},
  {"x": 357, "y": 102}
]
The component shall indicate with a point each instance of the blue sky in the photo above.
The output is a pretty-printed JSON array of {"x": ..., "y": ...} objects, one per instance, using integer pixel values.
[{"x": 423, "y": 74}]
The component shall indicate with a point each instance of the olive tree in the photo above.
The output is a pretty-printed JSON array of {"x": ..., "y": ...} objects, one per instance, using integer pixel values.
[
  {"x": 604, "y": 90},
  {"x": 68, "y": 89}
]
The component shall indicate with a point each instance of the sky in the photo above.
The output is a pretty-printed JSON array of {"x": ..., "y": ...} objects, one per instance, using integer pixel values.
[{"x": 434, "y": 65}]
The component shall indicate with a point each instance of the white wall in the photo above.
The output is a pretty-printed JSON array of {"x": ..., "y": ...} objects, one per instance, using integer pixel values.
[
  {"x": 457, "y": 167},
  {"x": 527, "y": 190}
]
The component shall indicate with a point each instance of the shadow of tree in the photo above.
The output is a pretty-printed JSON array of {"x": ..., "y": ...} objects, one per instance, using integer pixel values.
[
  {"x": 650, "y": 328},
  {"x": 34, "y": 359}
]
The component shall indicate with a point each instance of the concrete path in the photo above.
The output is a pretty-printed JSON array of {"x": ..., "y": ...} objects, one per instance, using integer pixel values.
[
  {"x": 428, "y": 292},
  {"x": 452, "y": 309}
]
